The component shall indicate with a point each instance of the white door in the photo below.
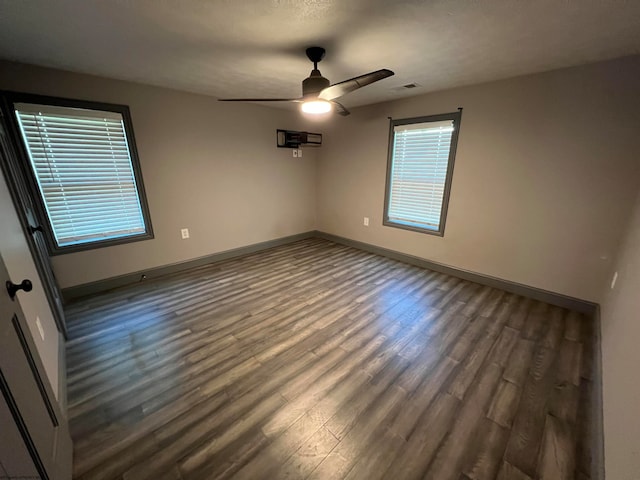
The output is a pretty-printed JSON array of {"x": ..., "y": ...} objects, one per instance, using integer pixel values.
[
  {"x": 15, "y": 460},
  {"x": 26, "y": 391}
]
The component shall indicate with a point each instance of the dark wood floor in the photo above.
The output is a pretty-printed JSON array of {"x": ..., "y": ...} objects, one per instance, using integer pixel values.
[{"x": 316, "y": 360}]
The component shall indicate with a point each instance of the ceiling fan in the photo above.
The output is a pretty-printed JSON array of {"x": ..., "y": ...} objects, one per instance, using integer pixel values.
[{"x": 318, "y": 96}]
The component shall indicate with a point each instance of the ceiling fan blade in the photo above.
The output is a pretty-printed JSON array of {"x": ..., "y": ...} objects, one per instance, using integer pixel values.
[
  {"x": 339, "y": 108},
  {"x": 339, "y": 89},
  {"x": 259, "y": 100}
]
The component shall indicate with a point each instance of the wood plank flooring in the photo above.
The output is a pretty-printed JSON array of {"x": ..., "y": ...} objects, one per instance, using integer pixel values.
[{"x": 319, "y": 361}]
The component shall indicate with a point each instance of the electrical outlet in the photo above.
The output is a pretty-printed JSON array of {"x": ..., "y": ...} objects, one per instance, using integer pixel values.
[
  {"x": 40, "y": 329},
  {"x": 295, "y": 153},
  {"x": 366, "y": 221},
  {"x": 185, "y": 233},
  {"x": 614, "y": 280},
  {"x": 299, "y": 153}
]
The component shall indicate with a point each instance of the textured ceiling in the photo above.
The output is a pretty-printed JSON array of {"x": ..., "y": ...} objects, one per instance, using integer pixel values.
[{"x": 232, "y": 48}]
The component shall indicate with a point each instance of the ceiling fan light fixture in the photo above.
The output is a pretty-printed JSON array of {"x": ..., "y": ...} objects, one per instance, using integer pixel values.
[
  {"x": 318, "y": 95},
  {"x": 316, "y": 106}
]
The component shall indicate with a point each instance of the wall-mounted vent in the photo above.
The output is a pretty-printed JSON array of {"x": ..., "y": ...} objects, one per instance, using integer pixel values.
[{"x": 293, "y": 139}]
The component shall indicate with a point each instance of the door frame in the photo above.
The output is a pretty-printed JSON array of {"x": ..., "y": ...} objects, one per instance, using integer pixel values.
[{"x": 17, "y": 179}]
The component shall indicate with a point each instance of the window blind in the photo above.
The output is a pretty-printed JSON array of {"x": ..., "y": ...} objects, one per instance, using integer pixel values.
[
  {"x": 420, "y": 160},
  {"x": 83, "y": 168}
]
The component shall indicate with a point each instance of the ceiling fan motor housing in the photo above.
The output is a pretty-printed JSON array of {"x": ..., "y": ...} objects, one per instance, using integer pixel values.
[{"x": 314, "y": 84}]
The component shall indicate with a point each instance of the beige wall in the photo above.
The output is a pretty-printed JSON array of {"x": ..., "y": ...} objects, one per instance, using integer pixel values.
[
  {"x": 620, "y": 317},
  {"x": 545, "y": 176},
  {"x": 207, "y": 166},
  {"x": 545, "y": 180}
]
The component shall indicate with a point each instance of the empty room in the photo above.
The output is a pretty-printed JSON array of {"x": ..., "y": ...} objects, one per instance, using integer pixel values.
[{"x": 279, "y": 239}]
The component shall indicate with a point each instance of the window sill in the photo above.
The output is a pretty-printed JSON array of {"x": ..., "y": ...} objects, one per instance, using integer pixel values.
[
  {"x": 402, "y": 226},
  {"x": 81, "y": 247}
]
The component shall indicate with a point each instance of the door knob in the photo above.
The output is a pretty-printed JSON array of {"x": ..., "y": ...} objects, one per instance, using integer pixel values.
[{"x": 12, "y": 288}]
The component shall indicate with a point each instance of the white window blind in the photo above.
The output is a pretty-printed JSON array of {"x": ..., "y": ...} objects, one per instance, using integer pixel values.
[
  {"x": 83, "y": 167},
  {"x": 420, "y": 160}
]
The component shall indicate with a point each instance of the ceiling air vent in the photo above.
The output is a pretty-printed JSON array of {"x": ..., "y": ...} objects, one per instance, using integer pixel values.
[{"x": 408, "y": 86}]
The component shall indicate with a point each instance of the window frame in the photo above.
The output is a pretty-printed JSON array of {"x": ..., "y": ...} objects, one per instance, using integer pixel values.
[
  {"x": 456, "y": 118},
  {"x": 9, "y": 99}
]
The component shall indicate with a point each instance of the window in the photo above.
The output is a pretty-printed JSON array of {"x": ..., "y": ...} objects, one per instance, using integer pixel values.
[
  {"x": 86, "y": 173},
  {"x": 420, "y": 166}
]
